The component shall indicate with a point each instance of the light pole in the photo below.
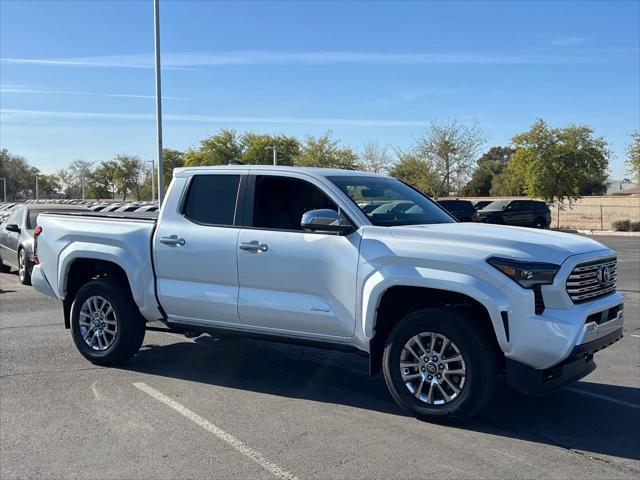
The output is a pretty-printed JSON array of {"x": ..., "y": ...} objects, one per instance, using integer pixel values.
[
  {"x": 82, "y": 183},
  {"x": 156, "y": 45},
  {"x": 275, "y": 154},
  {"x": 37, "y": 195},
  {"x": 4, "y": 189},
  {"x": 153, "y": 183}
]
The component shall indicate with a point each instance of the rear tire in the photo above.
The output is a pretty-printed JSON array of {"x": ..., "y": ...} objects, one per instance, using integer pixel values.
[
  {"x": 106, "y": 324},
  {"x": 540, "y": 223},
  {"x": 24, "y": 267},
  {"x": 454, "y": 396}
]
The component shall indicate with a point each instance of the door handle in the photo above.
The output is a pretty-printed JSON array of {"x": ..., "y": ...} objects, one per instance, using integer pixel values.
[
  {"x": 254, "y": 246},
  {"x": 173, "y": 241}
]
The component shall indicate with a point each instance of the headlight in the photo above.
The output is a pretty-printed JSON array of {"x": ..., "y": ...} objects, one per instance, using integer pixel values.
[{"x": 526, "y": 274}]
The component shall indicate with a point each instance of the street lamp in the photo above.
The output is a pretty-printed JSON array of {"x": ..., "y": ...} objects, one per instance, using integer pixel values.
[
  {"x": 4, "y": 189},
  {"x": 37, "y": 187},
  {"x": 275, "y": 153},
  {"x": 153, "y": 173},
  {"x": 156, "y": 45}
]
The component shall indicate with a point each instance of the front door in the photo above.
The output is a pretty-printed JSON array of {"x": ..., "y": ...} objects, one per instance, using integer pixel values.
[
  {"x": 290, "y": 280},
  {"x": 196, "y": 251},
  {"x": 9, "y": 240}
]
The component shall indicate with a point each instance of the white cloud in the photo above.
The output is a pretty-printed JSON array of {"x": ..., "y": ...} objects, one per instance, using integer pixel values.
[
  {"x": 195, "y": 60},
  {"x": 13, "y": 115},
  {"x": 18, "y": 89},
  {"x": 566, "y": 41}
]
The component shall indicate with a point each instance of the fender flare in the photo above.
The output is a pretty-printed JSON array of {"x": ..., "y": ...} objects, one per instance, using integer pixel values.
[
  {"x": 107, "y": 253},
  {"x": 486, "y": 294}
]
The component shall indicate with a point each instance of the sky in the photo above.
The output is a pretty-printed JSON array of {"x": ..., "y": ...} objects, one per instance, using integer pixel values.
[{"x": 77, "y": 78}]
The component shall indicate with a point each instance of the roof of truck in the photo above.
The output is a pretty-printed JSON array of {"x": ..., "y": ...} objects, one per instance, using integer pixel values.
[{"x": 314, "y": 172}]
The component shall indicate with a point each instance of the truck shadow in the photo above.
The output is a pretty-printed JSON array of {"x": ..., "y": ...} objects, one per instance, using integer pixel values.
[{"x": 565, "y": 419}]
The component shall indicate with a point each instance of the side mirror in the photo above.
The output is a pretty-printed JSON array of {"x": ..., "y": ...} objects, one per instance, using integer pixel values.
[
  {"x": 324, "y": 220},
  {"x": 12, "y": 227}
]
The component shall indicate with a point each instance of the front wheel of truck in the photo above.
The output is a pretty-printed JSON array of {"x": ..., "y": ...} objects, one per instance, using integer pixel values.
[
  {"x": 440, "y": 365},
  {"x": 106, "y": 325}
]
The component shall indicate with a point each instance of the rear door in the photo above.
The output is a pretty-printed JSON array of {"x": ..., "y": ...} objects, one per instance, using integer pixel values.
[
  {"x": 195, "y": 247},
  {"x": 292, "y": 281},
  {"x": 516, "y": 213}
]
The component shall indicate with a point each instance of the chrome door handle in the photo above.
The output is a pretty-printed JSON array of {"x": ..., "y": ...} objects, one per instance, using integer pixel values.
[
  {"x": 173, "y": 241},
  {"x": 254, "y": 246}
]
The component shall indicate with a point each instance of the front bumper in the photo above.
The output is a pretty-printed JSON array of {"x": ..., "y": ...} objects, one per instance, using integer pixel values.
[{"x": 579, "y": 364}]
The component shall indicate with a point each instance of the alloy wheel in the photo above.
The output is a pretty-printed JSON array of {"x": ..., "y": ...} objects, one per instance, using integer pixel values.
[
  {"x": 98, "y": 323},
  {"x": 432, "y": 368}
]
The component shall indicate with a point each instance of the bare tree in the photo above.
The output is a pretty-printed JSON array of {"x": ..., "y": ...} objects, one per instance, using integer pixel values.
[
  {"x": 375, "y": 158},
  {"x": 451, "y": 148}
]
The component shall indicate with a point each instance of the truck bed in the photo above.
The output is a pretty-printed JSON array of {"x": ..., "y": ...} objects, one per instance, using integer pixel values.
[{"x": 123, "y": 239}]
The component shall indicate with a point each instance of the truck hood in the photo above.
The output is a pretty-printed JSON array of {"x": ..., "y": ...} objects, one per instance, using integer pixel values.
[{"x": 483, "y": 240}]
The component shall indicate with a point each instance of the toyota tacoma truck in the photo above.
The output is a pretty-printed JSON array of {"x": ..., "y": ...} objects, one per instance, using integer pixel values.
[{"x": 443, "y": 309}]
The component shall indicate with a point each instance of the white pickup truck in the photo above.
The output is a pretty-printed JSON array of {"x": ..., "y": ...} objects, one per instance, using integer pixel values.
[{"x": 342, "y": 259}]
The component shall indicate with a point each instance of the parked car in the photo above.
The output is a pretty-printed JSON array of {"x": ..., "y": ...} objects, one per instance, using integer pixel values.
[
  {"x": 462, "y": 210},
  {"x": 146, "y": 208},
  {"x": 129, "y": 207},
  {"x": 523, "y": 213},
  {"x": 283, "y": 253},
  {"x": 17, "y": 234},
  {"x": 480, "y": 204}
]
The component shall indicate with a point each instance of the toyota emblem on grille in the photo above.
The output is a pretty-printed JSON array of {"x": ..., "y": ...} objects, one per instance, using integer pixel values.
[{"x": 604, "y": 275}]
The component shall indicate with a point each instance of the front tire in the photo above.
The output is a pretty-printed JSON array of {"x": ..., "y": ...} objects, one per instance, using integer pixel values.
[
  {"x": 24, "y": 267},
  {"x": 106, "y": 324},
  {"x": 440, "y": 365}
]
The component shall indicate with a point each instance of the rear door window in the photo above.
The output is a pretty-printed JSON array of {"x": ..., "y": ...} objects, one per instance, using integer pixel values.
[{"x": 212, "y": 199}]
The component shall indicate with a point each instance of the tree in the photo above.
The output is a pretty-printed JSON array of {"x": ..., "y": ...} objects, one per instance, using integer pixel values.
[
  {"x": 258, "y": 149},
  {"x": 218, "y": 149},
  {"x": 101, "y": 181},
  {"x": 130, "y": 175},
  {"x": 18, "y": 175},
  {"x": 48, "y": 185},
  {"x": 633, "y": 162},
  {"x": 416, "y": 172},
  {"x": 490, "y": 164},
  {"x": 375, "y": 158},
  {"x": 171, "y": 159},
  {"x": 326, "y": 153},
  {"x": 450, "y": 148},
  {"x": 556, "y": 163},
  {"x": 67, "y": 182},
  {"x": 506, "y": 184}
]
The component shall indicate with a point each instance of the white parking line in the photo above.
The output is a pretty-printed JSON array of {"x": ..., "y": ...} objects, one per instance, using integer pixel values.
[
  {"x": 637, "y": 336},
  {"x": 218, "y": 432},
  {"x": 604, "y": 397}
]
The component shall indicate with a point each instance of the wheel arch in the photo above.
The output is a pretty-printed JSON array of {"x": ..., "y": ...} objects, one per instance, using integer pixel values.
[
  {"x": 397, "y": 301},
  {"x": 80, "y": 270}
]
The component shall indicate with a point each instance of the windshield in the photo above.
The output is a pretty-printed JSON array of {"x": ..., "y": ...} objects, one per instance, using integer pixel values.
[
  {"x": 388, "y": 202},
  {"x": 497, "y": 205}
]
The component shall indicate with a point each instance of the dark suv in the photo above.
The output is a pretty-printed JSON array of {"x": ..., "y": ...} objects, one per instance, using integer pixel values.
[
  {"x": 523, "y": 213},
  {"x": 462, "y": 210}
]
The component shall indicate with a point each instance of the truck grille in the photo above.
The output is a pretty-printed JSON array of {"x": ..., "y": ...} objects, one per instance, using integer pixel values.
[{"x": 592, "y": 280}]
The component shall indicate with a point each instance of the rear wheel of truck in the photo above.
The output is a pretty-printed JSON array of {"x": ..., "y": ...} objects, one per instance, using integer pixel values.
[
  {"x": 106, "y": 325},
  {"x": 440, "y": 365}
]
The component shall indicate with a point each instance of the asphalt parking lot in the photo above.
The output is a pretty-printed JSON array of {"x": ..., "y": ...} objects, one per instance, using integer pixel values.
[{"x": 216, "y": 408}]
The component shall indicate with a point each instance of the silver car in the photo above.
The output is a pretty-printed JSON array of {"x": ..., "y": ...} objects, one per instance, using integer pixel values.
[{"x": 16, "y": 236}]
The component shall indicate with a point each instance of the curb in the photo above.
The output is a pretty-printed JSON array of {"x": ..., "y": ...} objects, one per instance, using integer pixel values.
[{"x": 608, "y": 232}]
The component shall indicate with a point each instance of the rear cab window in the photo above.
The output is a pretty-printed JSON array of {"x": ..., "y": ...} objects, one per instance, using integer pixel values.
[{"x": 212, "y": 199}]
